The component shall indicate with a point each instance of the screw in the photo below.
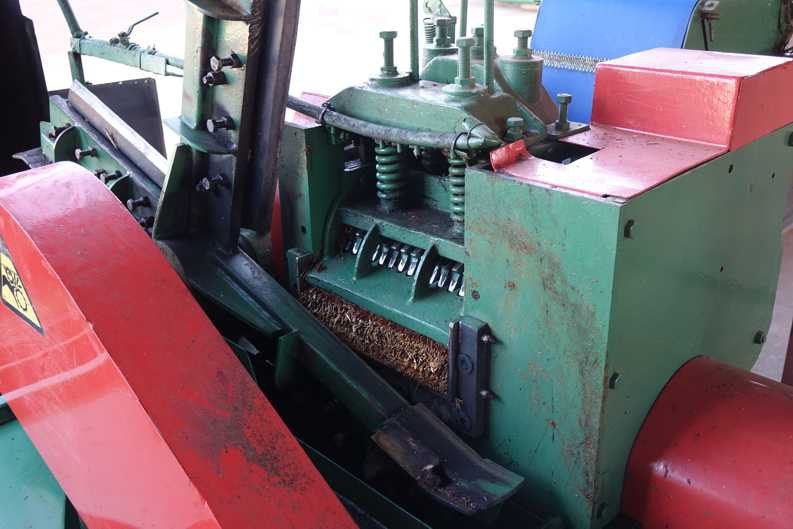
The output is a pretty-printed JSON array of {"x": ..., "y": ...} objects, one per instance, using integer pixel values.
[
  {"x": 208, "y": 183},
  {"x": 487, "y": 338},
  {"x": 523, "y": 36},
  {"x": 214, "y": 125},
  {"x": 218, "y": 63},
  {"x": 101, "y": 174},
  {"x": 388, "y": 68},
  {"x": 452, "y": 29},
  {"x": 478, "y": 51},
  {"x": 564, "y": 101},
  {"x": 140, "y": 202},
  {"x": 214, "y": 79},
  {"x": 487, "y": 394},
  {"x": 442, "y": 25},
  {"x": 430, "y": 477},
  {"x": 515, "y": 128},
  {"x": 79, "y": 154},
  {"x": 759, "y": 337},
  {"x": 464, "y": 78},
  {"x": 465, "y": 364}
]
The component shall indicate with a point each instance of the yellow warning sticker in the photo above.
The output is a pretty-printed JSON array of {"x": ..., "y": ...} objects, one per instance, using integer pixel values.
[{"x": 14, "y": 295}]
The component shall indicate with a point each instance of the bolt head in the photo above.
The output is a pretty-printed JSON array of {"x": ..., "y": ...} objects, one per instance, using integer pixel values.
[
  {"x": 443, "y": 22},
  {"x": 204, "y": 185},
  {"x": 388, "y": 35},
  {"x": 216, "y": 63},
  {"x": 214, "y": 78},
  {"x": 479, "y": 31},
  {"x": 213, "y": 125},
  {"x": 564, "y": 99},
  {"x": 465, "y": 364},
  {"x": 523, "y": 33},
  {"x": 465, "y": 42}
]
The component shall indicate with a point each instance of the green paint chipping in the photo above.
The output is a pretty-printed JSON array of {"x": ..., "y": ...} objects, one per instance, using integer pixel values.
[{"x": 578, "y": 304}]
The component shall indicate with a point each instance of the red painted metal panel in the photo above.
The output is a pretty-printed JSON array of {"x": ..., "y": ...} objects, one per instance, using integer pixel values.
[
  {"x": 662, "y": 112},
  {"x": 715, "y": 452},
  {"x": 627, "y": 163},
  {"x": 132, "y": 397},
  {"x": 719, "y": 98}
]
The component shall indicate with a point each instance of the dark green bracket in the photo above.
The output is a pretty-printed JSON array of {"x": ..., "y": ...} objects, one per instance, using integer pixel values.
[
  {"x": 421, "y": 282},
  {"x": 363, "y": 261}
]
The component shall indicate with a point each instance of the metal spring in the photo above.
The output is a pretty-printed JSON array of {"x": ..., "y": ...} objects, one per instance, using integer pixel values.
[
  {"x": 429, "y": 30},
  {"x": 390, "y": 181},
  {"x": 433, "y": 162},
  {"x": 457, "y": 187}
]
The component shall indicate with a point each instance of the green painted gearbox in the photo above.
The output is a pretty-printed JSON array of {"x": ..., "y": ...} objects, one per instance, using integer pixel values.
[{"x": 594, "y": 303}]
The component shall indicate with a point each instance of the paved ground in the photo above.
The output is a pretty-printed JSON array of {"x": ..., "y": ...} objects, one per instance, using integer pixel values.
[{"x": 337, "y": 46}]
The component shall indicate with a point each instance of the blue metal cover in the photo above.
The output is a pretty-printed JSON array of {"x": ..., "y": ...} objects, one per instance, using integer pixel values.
[{"x": 601, "y": 30}]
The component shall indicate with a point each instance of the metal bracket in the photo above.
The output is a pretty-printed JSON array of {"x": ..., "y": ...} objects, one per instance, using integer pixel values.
[
  {"x": 469, "y": 374},
  {"x": 298, "y": 263},
  {"x": 708, "y": 13}
]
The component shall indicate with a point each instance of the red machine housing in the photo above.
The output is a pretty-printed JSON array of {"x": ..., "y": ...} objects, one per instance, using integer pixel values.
[
  {"x": 132, "y": 397},
  {"x": 715, "y": 452}
]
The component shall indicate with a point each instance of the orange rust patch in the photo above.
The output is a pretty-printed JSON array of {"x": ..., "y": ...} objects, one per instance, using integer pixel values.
[{"x": 414, "y": 355}]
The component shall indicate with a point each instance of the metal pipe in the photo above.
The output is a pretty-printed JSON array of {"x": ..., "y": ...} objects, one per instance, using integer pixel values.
[
  {"x": 414, "y": 39},
  {"x": 479, "y": 138},
  {"x": 71, "y": 19},
  {"x": 463, "y": 18},
  {"x": 490, "y": 15}
]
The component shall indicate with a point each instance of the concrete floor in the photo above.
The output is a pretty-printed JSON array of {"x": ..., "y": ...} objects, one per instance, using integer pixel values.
[{"x": 338, "y": 46}]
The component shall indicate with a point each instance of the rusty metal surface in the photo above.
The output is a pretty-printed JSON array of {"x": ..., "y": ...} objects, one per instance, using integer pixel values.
[{"x": 411, "y": 354}]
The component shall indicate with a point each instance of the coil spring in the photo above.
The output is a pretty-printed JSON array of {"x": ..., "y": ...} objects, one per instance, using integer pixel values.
[
  {"x": 390, "y": 182},
  {"x": 429, "y": 30},
  {"x": 433, "y": 162},
  {"x": 457, "y": 187}
]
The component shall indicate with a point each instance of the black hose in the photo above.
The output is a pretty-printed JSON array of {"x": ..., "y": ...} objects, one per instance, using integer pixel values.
[{"x": 433, "y": 140}]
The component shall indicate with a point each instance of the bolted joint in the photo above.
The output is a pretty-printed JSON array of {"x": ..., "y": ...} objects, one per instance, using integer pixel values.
[
  {"x": 478, "y": 51},
  {"x": 79, "y": 154},
  {"x": 105, "y": 177},
  {"x": 219, "y": 63},
  {"x": 140, "y": 202},
  {"x": 443, "y": 27},
  {"x": 464, "y": 78},
  {"x": 214, "y": 79},
  {"x": 389, "y": 68},
  {"x": 516, "y": 126},
  {"x": 523, "y": 36},
  {"x": 224, "y": 123},
  {"x": 210, "y": 183},
  {"x": 564, "y": 100}
]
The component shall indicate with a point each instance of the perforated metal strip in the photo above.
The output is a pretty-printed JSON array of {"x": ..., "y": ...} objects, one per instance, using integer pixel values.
[{"x": 579, "y": 63}]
